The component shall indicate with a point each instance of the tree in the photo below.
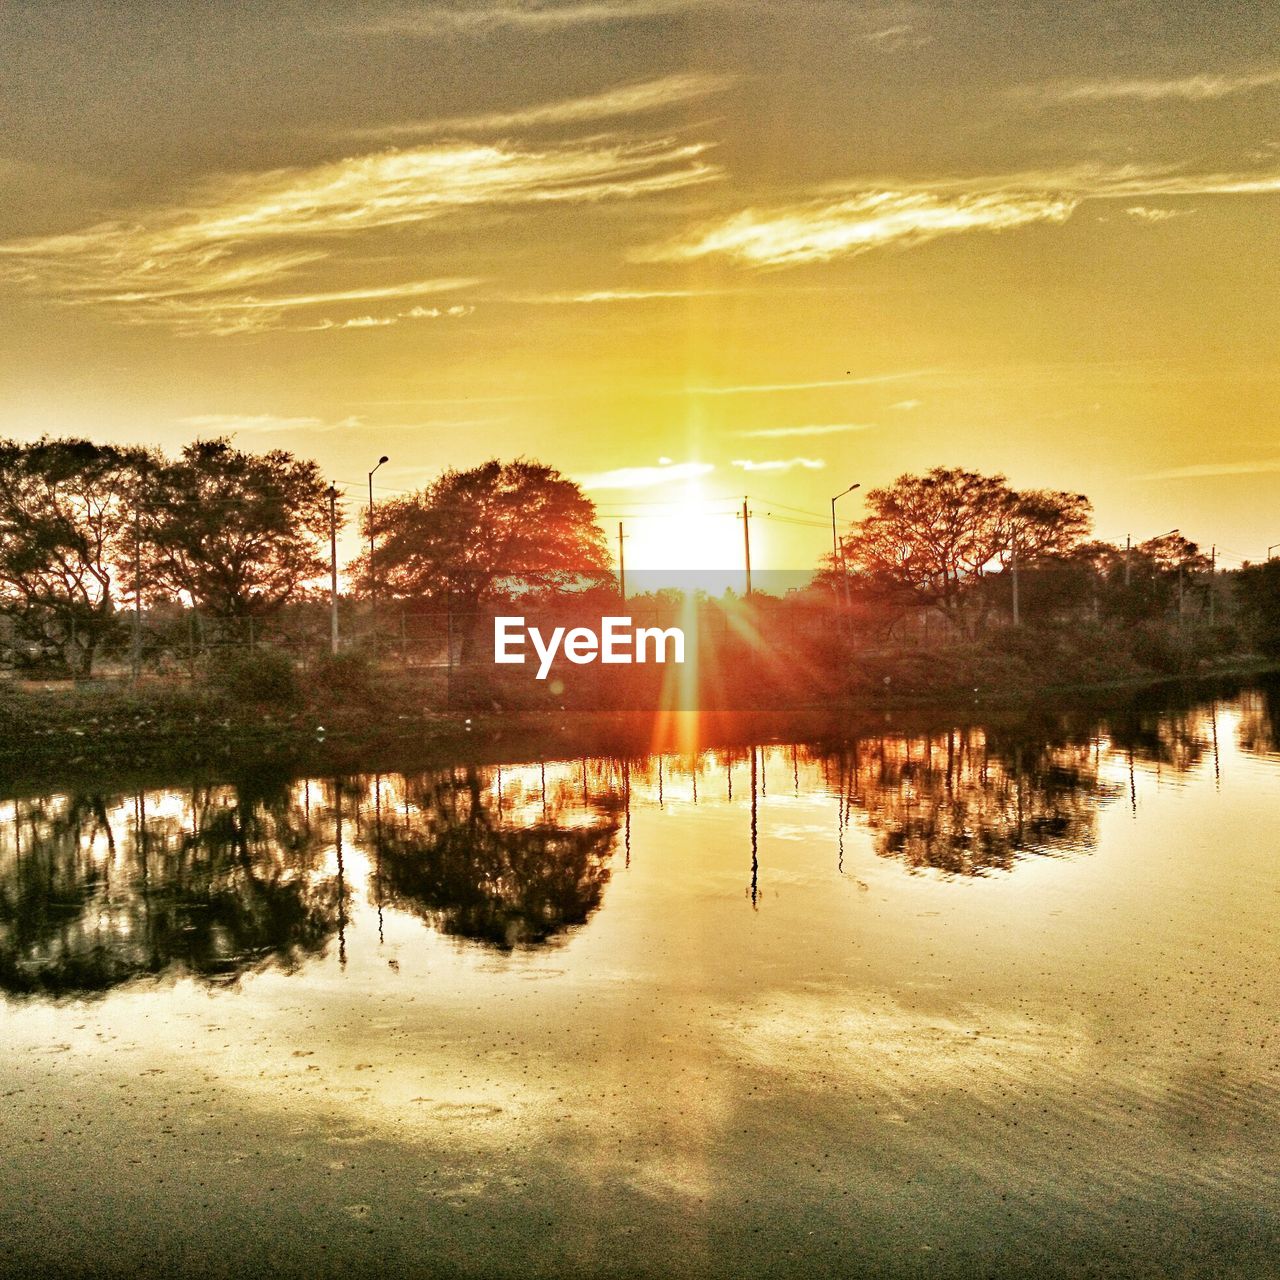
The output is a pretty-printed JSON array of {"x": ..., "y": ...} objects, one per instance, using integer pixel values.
[
  {"x": 66, "y": 525},
  {"x": 1047, "y": 523},
  {"x": 1257, "y": 589},
  {"x": 240, "y": 534},
  {"x": 1160, "y": 571},
  {"x": 499, "y": 529},
  {"x": 929, "y": 537}
]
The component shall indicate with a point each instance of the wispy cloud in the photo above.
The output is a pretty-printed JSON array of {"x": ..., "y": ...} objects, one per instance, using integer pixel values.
[
  {"x": 900, "y": 35},
  {"x": 823, "y": 230},
  {"x": 442, "y": 19},
  {"x": 1261, "y": 466},
  {"x": 626, "y": 100},
  {"x": 225, "y": 424},
  {"x": 1143, "y": 213},
  {"x": 410, "y": 289},
  {"x": 1200, "y": 87},
  {"x": 812, "y": 429},
  {"x": 381, "y": 322},
  {"x": 770, "y": 388},
  {"x": 905, "y": 406},
  {"x": 214, "y": 261},
  {"x": 780, "y": 464},
  {"x": 648, "y": 477},
  {"x": 595, "y": 296},
  {"x": 846, "y": 224}
]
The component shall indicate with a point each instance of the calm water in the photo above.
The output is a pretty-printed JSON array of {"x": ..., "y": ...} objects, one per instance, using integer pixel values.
[{"x": 961, "y": 1003}]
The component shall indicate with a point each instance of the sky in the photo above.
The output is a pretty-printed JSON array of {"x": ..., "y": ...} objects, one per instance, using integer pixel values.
[{"x": 686, "y": 251}]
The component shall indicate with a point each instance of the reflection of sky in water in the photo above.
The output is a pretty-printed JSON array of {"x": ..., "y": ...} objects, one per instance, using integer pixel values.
[{"x": 1023, "y": 984}]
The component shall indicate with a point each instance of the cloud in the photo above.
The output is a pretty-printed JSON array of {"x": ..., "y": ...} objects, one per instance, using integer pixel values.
[
  {"x": 1142, "y": 213},
  {"x": 844, "y": 223},
  {"x": 225, "y": 424},
  {"x": 905, "y": 406},
  {"x": 380, "y": 322},
  {"x": 767, "y": 388},
  {"x": 822, "y": 230},
  {"x": 440, "y": 19},
  {"x": 666, "y": 472},
  {"x": 594, "y": 296},
  {"x": 410, "y": 289},
  {"x": 626, "y": 100},
  {"x": 901, "y": 35},
  {"x": 780, "y": 464},
  {"x": 814, "y": 429},
  {"x": 1263, "y": 466},
  {"x": 1193, "y": 88},
  {"x": 203, "y": 264}
]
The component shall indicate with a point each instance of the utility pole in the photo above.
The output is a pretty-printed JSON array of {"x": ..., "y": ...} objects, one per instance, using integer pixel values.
[
  {"x": 1127, "y": 546},
  {"x": 746, "y": 542},
  {"x": 137, "y": 592},
  {"x": 333, "y": 569},
  {"x": 622, "y": 567},
  {"x": 373, "y": 573},
  {"x": 837, "y": 544},
  {"x": 1213, "y": 571},
  {"x": 848, "y": 602},
  {"x": 1017, "y": 616}
]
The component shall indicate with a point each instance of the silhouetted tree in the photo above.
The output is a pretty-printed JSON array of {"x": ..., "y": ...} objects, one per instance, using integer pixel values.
[
  {"x": 240, "y": 534},
  {"x": 66, "y": 510},
  {"x": 1258, "y": 594},
  {"x": 928, "y": 538},
  {"x": 473, "y": 536}
]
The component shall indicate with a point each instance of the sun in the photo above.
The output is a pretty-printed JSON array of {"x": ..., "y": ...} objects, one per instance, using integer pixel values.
[{"x": 692, "y": 540}]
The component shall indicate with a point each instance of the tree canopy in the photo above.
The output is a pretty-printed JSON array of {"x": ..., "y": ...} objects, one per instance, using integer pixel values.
[
  {"x": 501, "y": 527},
  {"x": 239, "y": 533},
  {"x": 928, "y": 537},
  {"x": 66, "y": 527}
]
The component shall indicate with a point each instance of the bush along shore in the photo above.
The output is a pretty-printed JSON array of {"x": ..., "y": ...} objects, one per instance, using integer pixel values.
[{"x": 267, "y": 703}]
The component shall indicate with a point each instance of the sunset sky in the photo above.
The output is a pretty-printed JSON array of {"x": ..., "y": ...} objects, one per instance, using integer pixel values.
[{"x": 684, "y": 250}]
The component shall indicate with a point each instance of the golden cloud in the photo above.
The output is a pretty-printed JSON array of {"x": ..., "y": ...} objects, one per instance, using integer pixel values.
[
  {"x": 202, "y": 264},
  {"x": 822, "y": 230}
]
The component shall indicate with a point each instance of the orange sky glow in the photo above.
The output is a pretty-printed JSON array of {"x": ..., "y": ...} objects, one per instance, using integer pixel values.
[{"x": 684, "y": 250}]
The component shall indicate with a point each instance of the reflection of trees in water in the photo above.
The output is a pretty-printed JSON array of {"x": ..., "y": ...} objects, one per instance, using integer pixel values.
[
  {"x": 964, "y": 803},
  {"x": 1177, "y": 739},
  {"x": 96, "y": 890},
  {"x": 508, "y": 871},
  {"x": 1260, "y": 720}
]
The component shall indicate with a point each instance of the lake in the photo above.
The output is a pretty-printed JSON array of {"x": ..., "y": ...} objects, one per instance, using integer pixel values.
[{"x": 981, "y": 998}]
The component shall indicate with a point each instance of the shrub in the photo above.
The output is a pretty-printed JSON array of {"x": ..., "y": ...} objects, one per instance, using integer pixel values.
[{"x": 261, "y": 676}]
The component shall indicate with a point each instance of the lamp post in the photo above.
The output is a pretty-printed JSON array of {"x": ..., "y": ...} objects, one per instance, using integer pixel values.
[
  {"x": 1128, "y": 546},
  {"x": 835, "y": 540},
  {"x": 332, "y": 495},
  {"x": 373, "y": 575},
  {"x": 1271, "y": 548}
]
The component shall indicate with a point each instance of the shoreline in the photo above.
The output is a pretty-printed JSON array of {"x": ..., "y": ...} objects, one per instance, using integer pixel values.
[{"x": 110, "y": 729}]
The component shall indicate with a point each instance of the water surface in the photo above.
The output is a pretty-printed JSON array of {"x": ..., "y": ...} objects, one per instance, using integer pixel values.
[{"x": 974, "y": 1001}]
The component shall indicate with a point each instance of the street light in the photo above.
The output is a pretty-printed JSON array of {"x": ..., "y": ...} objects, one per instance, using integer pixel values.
[
  {"x": 835, "y": 541},
  {"x": 373, "y": 577},
  {"x": 1128, "y": 547},
  {"x": 1271, "y": 548}
]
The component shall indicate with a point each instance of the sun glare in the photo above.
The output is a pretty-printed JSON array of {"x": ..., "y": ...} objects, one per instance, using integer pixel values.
[{"x": 691, "y": 537}]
